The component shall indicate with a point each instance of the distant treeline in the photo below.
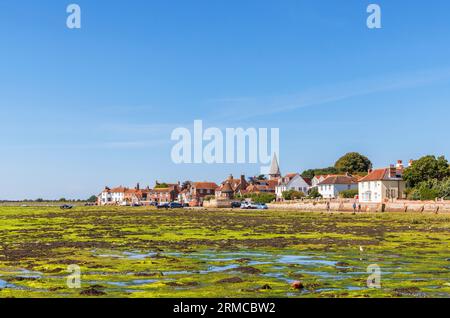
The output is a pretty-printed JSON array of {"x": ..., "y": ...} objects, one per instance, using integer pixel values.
[{"x": 41, "y": 200}]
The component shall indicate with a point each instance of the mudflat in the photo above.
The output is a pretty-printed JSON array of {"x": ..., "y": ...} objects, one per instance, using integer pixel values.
[{"x": 144, "y": 252}]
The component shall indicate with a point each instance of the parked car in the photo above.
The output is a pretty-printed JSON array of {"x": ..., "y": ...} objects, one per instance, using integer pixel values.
[
  {"x": 66, "y": 207},
  {"x": 248, "y": 206},
  {"x": 163, "y": 205},
  {"x": 175, "y": 205},
  {"x": 261, "y": 206},
  {"x": 236, "y": 204}
]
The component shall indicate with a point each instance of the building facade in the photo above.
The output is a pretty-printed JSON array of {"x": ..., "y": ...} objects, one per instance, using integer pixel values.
[
  {"x": 292, "y": 181},
  {"x": 382, "y": 185},
  {"x": 333, "y": 185}
]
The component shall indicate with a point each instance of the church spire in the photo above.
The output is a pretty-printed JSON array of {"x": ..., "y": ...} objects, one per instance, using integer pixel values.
[{"x": 274, "y": 172}]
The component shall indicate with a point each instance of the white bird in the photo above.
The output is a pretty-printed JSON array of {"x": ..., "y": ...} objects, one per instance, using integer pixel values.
[{"x": 361, "y": 249}]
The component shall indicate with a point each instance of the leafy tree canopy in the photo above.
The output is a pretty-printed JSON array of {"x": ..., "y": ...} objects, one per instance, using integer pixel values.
[
  {"x": 353, "y": 162},
  {"x": 292, "y": 195},
  {"x": 314, "y": 193},
  {"x": 425, "y": 169},
  {"x": 316, "y": 172},
  {"x": 92, "y": 198},
  {"x": 261, "y": 197},
  {"x": 348, "y": 194}
]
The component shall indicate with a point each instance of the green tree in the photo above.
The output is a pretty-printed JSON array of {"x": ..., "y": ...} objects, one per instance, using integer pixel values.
[
  {"x": 316, "y": 172},
  {"x": 353, "y": 162},
  {"x": 444, "y": 189},
  {"x": 425, "y": 169},
  {"x": 426, "y": 190},
  {"x": 313, "y": 193},
  {"x": 92, "y": 199},
  {"x": 292, "y": 195},
  {"x": 348, "y": 194},
  {"x": 261, "y": 197},
  {"x": 161, "y": 186}
]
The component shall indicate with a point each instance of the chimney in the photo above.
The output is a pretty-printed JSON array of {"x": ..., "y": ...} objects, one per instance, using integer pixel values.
[
  {"x": 369, "y": 171},
  {"x": 400, "y": 164},
  {"x": 137, "y": 186},
  {"x": 243, "y": 181},
  {"x": 392, "y": 171},
  {"x": 410, "y": 163}
]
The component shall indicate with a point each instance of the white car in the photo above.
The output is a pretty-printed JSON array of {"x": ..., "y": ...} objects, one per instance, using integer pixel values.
[{"x": 248, "y": 206}]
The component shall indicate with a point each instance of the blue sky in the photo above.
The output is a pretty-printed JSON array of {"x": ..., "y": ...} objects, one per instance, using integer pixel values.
[{"x": 81, "y": 109}]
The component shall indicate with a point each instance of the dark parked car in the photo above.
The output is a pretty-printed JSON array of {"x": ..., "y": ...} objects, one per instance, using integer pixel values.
[
  {"x": 236, "y": 205},
  {"x": 175, "y": 205},
  {"x": 163, "y": 206},
  {"x": 66, "y": 207}
]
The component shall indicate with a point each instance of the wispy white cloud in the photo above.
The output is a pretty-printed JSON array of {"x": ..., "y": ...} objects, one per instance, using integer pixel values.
[
  {"x": 110, "y": 145},
  {"x": 129, "y": 128},
  {"x": 241, "y": 108}
]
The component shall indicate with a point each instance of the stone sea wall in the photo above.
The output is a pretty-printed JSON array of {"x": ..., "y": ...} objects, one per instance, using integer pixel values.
[{"x": 347, "y": 206}]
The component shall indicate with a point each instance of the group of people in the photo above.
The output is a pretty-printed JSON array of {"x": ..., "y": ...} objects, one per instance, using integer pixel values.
[{"x": 356, "y": 207}]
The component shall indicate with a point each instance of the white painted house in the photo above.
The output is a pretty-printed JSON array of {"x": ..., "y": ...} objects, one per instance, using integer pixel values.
[
  {"x": 333, "y": 185},
  {"x": 112, "y": 196},
  {"x": 318, "y": 179},
  {"x": 292, "y": 181},
  {"x": 382, "y": 185}
]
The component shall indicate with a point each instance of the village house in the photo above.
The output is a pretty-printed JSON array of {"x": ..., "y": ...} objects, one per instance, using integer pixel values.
[
  {"x": 137, "y": 195},
  {"x": 225, "y": 191},
  {"x": 112, "y": 196},
  {"x": 238, "y": 186},
  {"x": 318, "y": 179},
  {"x": 200, "y": 190},
  {"x": 292, "y": 181},
  {"x": 122, "y": 195},
  {"x": 331, "y": 186},
  {"x": 383, "y": 185},
  {"x": 164, "y": 192},
  {"x": 194, "y": 193}
]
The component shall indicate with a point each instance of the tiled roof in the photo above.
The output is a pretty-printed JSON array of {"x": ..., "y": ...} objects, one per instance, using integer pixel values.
[
  {"x": 307, "y": 180},
  {"x": 161, "y": 190},
  {"x": 271, "y": 184},
  {"x": 119, "y": 190},
  {"x": 205, "y": 185},
  {"x": 378, "y": 175},
  {"x": 339, "y": 180},
  {"x": 226, "y": 188}
]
